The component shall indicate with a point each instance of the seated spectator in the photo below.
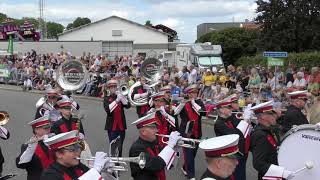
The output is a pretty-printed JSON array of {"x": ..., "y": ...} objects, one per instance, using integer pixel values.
[
  {"x": 27, "y": 83},
  {"x": 299, "y": 83},
  {"x": 40, "y": 84}
]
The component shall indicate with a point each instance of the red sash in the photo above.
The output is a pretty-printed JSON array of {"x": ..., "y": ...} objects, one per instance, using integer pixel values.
[
  {"x": 77, "y": 171},
  {"x": 247, "y": 145},
  {"x": 63, "y": 127},
  {"x": 272, "y": 141},
  {"x": 229, "y": 124},
  {"x": 193, "y": 116},
  {"x": 144, "y": 108},
  {"x": 117, "y": 117},
  {"x": 160, "y": 174},
  {"x": 162, "y": 129},
  {"x": 45, "y": 159}
]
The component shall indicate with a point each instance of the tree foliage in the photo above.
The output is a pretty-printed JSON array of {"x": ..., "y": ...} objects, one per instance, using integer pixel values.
[
  {"x": 289, "y": 25},
  {"x": 79, "y": 21},
  {"x": 303, "y": 59},
  {"x": 53, "y": 29},
  {"x": 235, "y": 42},
  {"x": 148, "y": 23}
]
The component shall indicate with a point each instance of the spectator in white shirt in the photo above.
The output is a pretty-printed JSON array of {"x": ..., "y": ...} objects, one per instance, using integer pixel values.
[
  {"x": 300, "y": 82},
  {"x": 193, "y": 75}
]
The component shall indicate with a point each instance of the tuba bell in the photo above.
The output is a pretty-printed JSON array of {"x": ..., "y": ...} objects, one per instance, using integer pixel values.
[
  {"x": 4, "y": 117},
  {"x": 151, "y": 69},
  {"x": 72, "y": 75}
]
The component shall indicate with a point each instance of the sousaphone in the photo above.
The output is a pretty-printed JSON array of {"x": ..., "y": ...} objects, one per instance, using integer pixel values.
[
  {"x": 72, "y": 75},
  {"x": 151, "y": 69}
]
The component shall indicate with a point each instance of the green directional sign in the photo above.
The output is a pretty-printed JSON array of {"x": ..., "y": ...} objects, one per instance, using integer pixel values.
[
  {"x": 10, "y": 45},
  {"x": 275, "y": 61}
]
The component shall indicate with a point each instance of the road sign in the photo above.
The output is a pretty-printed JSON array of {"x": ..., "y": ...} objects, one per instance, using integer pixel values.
[
  {"x": 275, "y": 54},
  {"x": 275, "y": 61}
]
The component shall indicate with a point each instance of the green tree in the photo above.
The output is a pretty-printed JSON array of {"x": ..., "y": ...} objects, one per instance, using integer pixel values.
[
  {"x": 53, "y": 29},
  {"x": 78, "y": 22},
  {"x": 289, "y": 25},
  {"x": 235, "y": 42},
  {"x": 2, "y": 17},
  {"x": 148, "y": 23}
]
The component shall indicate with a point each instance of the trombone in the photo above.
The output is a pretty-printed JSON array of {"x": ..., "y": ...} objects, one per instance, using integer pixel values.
[
  {"x": 183, "y": 142},
  {"x": 140, "y": 160}
]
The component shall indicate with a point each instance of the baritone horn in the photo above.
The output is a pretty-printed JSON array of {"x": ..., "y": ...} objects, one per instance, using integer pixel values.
[
  {"x": 140, "y": 160},
  {"x": 4, "y": 117},
  {"x": 183, "y": 142}
]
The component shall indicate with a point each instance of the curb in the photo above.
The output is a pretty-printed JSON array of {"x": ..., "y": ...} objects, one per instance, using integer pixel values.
[{"x": 19, "y": 89}]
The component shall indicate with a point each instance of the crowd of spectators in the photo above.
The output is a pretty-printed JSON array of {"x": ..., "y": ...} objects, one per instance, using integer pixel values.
[{"x": 37, "y": 71}]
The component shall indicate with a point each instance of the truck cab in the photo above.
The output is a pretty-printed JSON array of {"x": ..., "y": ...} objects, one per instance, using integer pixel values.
[{"x": 201, "y": 55}]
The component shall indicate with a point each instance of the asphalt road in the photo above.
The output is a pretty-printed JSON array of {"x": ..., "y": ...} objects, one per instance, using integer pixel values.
[{"x": 21, "y": 107}]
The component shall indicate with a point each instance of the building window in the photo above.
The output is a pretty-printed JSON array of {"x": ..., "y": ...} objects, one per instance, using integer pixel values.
[{"x": 116, "y": 32}]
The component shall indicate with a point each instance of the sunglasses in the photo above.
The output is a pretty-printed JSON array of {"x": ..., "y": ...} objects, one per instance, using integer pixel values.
[
  {"x": 66, "y": 107},
  {"x": 72, "y": 148},
  {"x": 52, "y": 97},
  {"x": 46, "y": 126}
]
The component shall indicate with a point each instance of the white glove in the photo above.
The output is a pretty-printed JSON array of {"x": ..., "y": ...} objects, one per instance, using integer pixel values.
[
  {"x": 195, "y": 106},
  {"x": 318, "y": 125},
  {"x": 100, "y": 161},
  {"x": 118, "y": 98},
  {"x": 163, "y": 111},
  {"x": 81, "y": 136},
  {"x": 174, "y": 138},
  {"x": 288, "y": 174},
  {"x": 28, "y": 153},
  {"x": 247, "y": 114},
  {"x": 124, "y": 100},
  {"x": 144, "y": 94},
  {"x": 3, "y": 132}
]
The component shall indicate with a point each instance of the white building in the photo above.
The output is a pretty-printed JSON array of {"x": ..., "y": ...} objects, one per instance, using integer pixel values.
[
  {"x": 110, "y": 36},
  {"x": 120, "y": 37}
]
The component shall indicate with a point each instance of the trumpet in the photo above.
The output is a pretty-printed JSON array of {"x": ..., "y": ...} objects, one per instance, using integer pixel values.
[
  {"x": 35, "y": 139},
  {"x": 183, "y": 142},
  {"x": 140, "y": 160},
  {"x": 4, "y": 117}
]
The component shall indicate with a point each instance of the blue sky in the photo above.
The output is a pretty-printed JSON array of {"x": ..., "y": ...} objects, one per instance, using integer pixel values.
[{"x": 181, "y": 15}]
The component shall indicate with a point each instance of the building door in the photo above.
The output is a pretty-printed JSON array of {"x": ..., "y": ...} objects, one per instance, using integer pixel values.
[{"x": 117, "y": 49}]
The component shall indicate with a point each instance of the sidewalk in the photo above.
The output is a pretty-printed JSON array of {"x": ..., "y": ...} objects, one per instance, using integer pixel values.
[{"x": 205, "y": 120}]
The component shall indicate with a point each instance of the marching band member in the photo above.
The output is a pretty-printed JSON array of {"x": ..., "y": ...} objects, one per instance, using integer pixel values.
[
  {"x": 51, "y": 99},
  {"x": 165, "y": 120},
  {"x": 67, "y": 94},
  {"x": 294, "y": 115},
  {"x": 171, "y": 105},
  {"x": 67, "y": 122},
  {"x": 226, "y": 124},
  {"x": 264, "y": 142},
  {"x": 222, "y": 155},
  {"x": 35, "y": 156},
  {"x": 114, "y": 105},
  {"x": 157, "y": 159},
  {"x": 141, "y": 92},
  {"x": 190, "y": 127},
  {"x": 4, "y": 134},
  {"x": 66, "y": 150}
]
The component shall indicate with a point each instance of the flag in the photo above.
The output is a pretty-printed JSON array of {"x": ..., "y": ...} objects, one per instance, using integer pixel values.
[{"x": 10, "y": 45}]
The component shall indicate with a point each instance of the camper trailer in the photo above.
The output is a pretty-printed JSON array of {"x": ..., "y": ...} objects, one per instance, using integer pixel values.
[{"x": 201, "y": 55}]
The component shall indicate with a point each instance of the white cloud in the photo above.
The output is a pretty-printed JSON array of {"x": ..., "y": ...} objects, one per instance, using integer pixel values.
[{"x": 180, "y": 15}]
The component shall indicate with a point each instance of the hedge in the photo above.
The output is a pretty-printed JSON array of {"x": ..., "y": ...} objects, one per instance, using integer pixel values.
[{"x": 304, "y": 59}]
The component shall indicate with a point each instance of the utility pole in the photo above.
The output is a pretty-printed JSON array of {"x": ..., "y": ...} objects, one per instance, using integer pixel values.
[{"x": 42, "y": 21}]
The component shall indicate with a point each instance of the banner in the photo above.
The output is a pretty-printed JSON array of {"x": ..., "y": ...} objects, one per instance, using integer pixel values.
[
  {"x": 275, "y": 61},
  {"x": 4, "y": 72}
]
